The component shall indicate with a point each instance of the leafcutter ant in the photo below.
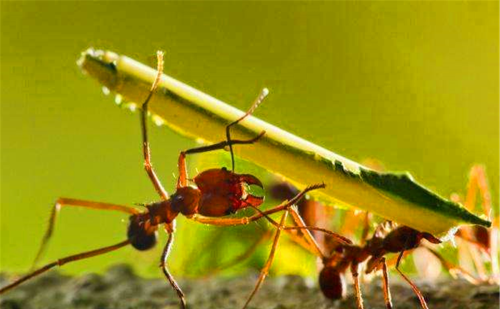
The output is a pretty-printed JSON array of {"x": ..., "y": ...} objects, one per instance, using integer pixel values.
[
  {"x": 402, "y": 240},
  {"x": 208, "y": 198}
]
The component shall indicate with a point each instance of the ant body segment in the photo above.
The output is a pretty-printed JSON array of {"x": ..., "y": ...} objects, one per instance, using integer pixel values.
[{"x": 216, "y": 194}]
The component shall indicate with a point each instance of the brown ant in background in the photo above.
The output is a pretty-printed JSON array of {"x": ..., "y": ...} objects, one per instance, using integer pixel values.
[
  {"x": 218, "y": 193},
  {"x": 346, "y": 256},
  {"x": 400, "y": 240},
  {"x": 476, "y": 242}
]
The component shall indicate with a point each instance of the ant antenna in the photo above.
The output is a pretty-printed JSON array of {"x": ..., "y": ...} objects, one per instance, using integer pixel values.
[
  {"x": 159, "y": 69},
  {"x": 144, "y": 114},
  {"x": 255, "y": 104}
]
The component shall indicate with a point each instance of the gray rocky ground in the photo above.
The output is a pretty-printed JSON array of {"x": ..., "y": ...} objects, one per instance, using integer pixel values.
[{"x": 119, "y": 288}]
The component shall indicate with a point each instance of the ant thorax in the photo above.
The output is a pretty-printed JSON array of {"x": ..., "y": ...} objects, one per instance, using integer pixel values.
[{"x": 185, "y": 200}]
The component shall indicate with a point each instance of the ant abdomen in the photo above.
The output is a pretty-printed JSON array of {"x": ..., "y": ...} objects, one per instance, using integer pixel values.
[
  {"x": 332, "y": 283},
  {"x": 139, "y": 237}
]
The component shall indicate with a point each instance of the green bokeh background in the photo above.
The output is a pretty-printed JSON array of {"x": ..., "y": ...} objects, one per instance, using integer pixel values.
[{"x": 413, "y": 84}]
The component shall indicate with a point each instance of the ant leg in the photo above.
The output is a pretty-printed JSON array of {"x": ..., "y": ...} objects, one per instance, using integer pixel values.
[
  {"x": 182, "y": 182},
  {"x": 494, "y": 254},
  {"x": 385, "y": 283},
  {"x": 265, "y": 271},
  {"x": 297, "y": 219},
  {"x": 453, "y": 269},
  {"x": 478, "y": 236},
  {"x": 170, "y": 278},
  {"x": 306, "y": 229},
  {"x": 299, "y": 240},
  {"x": 366, "y": 228},
  {"x": 478, "y": 182},
  {"x": 312, "y": 244},
  {"x": 63, "y": 202},
  {"x": 291, "y": 231},
  {"x": 145, "y": 142},
  {"x": 61, "y": 262},
  {"x": 357, "y": 288},
  {"x": 413, "y": 286},
  {"x": 343, "y": 240}
]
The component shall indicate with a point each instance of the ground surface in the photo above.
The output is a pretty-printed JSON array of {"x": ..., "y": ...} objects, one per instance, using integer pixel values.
[{"x": 120, "y": 288}]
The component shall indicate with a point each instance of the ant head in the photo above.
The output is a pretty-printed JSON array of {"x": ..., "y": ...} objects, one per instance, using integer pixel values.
[
  {"x": 332, "y": 283},
  {"x": 140, "y": 238},
  {"x": 224, "y": 192}
]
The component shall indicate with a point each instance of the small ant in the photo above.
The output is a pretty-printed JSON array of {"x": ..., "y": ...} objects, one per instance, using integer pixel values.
[
  {"x": 346, "y": 255},
  {"x": 477, "y": 242},
  {"x": 218, "y": 193},
  {"x": 399, "y": 240}
]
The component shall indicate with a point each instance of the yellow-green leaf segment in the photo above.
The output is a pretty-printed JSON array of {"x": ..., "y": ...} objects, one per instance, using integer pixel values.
[{"x": 396, "y": 197}]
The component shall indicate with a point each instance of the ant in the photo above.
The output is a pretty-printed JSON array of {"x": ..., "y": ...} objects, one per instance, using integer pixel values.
[
  {"x": 400, "y": 240},
  {"x": 217, "y": 193},
  {"x": 476, "y": 242}
]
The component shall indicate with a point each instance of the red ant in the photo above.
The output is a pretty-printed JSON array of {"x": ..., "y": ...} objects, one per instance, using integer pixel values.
[
  {"x": 332, "y": 282},
  {"x": 349, "y": 256},
  {"x": 344, "y": 255},
  {"x": 218, "y": 193}
]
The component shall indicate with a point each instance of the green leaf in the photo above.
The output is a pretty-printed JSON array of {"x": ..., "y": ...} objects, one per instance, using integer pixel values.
[{"x": 396, "y": 197}]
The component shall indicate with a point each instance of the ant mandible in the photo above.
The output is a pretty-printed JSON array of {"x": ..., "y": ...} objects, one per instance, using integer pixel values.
[{"x": 218, "y": 193}]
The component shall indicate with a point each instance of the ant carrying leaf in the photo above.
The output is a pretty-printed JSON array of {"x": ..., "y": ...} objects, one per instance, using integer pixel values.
[{"x": 208, "y": 198}]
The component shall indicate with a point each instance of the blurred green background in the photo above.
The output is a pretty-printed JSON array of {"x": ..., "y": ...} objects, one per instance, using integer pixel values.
[{"x": 413, "y": 84}]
